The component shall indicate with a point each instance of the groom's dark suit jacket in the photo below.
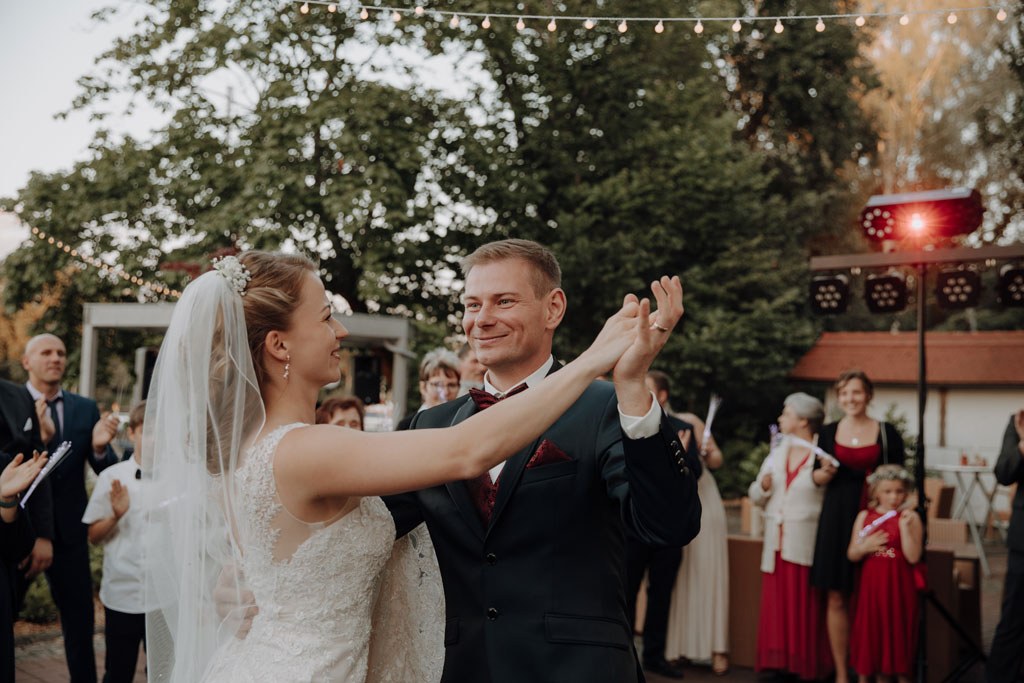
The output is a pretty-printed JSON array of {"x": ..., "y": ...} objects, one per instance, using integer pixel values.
[{"x": 539, "y": 595}]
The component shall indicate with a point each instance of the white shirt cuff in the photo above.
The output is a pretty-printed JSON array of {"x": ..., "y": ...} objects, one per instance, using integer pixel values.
[{"x": 642, "y": 427}]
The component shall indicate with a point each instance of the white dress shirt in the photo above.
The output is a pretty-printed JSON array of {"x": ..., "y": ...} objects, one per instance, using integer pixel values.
[
  {"x": 633, "y": 427},
  {"x": 121, "y": 588}
]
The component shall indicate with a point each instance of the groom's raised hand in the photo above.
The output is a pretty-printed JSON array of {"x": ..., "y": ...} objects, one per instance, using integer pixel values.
[{"x": 653, "y": 330}]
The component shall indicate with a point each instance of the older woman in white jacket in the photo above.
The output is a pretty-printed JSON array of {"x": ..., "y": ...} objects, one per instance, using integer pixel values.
[{"x": 791, "y": 632}]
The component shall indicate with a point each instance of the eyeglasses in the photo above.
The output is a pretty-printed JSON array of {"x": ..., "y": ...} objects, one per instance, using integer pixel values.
[{"x": 441, "y": 386}]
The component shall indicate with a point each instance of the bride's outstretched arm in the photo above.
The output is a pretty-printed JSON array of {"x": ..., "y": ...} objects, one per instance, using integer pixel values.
[{"x": 323, "y": 461}]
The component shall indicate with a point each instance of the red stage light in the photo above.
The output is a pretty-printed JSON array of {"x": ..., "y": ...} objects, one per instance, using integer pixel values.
[{"x": 939, "y": 213}]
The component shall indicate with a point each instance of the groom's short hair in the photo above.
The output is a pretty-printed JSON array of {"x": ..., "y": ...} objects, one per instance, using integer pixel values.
[{"x": 547, "y": 273}]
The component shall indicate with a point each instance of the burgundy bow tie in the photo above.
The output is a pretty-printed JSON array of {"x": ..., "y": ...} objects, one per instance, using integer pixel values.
[{"x": 484, "y": 400}]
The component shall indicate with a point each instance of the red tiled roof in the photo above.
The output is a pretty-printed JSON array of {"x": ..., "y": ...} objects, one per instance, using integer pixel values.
[{"x": 962, "y": 358}]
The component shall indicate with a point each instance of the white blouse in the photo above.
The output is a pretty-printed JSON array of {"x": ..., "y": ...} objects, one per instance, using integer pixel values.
[{"x": 790, "y": 512}]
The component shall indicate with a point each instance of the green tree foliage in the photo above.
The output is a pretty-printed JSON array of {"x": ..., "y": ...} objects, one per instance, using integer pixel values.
[
  {"x": 640, "y": 153},
  {"x": 318, "y": 153},
  {"x": 719, "y": 157}
]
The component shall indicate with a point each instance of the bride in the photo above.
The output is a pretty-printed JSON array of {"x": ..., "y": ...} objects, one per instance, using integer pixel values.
[{"x": 244, "y": 490}]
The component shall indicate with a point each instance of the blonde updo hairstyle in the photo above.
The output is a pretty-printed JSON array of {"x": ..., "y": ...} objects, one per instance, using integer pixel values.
[{"x": 271, "y": 296}]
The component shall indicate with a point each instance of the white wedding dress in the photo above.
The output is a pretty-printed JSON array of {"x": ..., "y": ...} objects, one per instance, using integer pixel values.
[{"x": 339, "y": 600}]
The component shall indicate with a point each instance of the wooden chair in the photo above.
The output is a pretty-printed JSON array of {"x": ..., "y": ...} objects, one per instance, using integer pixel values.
[{"x": 940, "y": 497}]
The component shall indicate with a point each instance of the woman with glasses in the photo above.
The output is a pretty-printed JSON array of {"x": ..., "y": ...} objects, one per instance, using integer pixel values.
[{"x": 439, "y": 381}]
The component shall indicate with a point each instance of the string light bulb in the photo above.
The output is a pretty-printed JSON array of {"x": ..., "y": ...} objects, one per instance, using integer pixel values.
[
  {"x": 659, "y": 27},
  {"x": 305, "y": 8},
  {"x": 419, "y": 10},
  {"x": 364, "y": 14},
  {"x": 332, "y": 8},
  {"x": 552, "y": 26},
  {"x": 588, "y": 24},
  {"x": 779, "y": 28},
  {"x": 623, "y": 27},
  {"x": 396, "y": 17},
  {"x": 951, "y": 19},
  {"x": 486, "y": 23},
  {"x": 520, "y": 25},
  {"x": 820, "y": 26},
  {"x": 904, "y": 20},
  {"x": 454, "y": 23},
  {"x": 699, "y": 28},
  {"x": 736, "y": 26},
  {"x": 1001, "y": 14},
  {"x": 860, "y": 21}
]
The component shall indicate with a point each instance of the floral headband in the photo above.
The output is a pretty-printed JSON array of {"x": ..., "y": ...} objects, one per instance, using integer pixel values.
[
  {"x": 232, "y": 270},
  {"x": 890, "y": 475}
]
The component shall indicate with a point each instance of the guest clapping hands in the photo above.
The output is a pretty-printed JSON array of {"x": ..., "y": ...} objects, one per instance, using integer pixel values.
[{"x": 15, "y": 479}]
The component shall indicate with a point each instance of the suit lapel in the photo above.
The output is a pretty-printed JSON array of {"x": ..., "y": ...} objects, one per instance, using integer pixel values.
[
  {"x": 14, "y": 419},
  {"x": 457, "y": 489},
  {"x": 512, "y": 472},
  {"x": 510, "y": 475}
]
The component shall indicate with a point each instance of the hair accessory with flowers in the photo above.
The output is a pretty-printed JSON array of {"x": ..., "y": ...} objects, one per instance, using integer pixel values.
[
  {"x": 234, "y": 272},
  {"x": 890, "y": 473}
]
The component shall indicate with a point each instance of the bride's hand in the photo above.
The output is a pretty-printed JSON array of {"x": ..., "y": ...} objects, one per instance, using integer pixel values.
[
  {"x": 652, "y": 332},
  {"x": 617, "y": 335}
]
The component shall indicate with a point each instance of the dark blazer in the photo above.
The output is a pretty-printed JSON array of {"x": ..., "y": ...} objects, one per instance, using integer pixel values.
[
  {"x": 1009, "y": 470},
  {"x": 68, "y": 481},
  {"x": 539, "y": 595},
  {"x": 17, "y": 410},
  {"x": 16, "y": 538}
]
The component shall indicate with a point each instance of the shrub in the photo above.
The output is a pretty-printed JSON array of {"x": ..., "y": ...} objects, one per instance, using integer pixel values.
[{"x": 39, "y": 607}]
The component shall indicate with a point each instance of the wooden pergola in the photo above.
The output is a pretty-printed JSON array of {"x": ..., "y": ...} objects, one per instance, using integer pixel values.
[{"x": 365, "y": 331}]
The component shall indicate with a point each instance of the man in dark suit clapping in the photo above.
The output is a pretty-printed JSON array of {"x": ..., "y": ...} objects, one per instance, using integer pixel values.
[
  {"x": 19, "y": 433},
  {"x": 1008, "y": 642},
  {"x": 75, "y": 419},
  {"x": 532, "y": 554}
]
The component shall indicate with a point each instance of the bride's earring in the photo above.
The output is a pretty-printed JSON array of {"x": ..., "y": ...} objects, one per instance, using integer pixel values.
[{"x": 287, "y": 365}]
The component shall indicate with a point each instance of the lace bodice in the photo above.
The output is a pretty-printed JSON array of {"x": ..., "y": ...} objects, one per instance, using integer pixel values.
[{"x": 316, "y": 585}]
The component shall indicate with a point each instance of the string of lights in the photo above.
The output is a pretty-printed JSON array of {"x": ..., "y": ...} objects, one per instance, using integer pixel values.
[
  {"x": 116, "y": 270},
  {"x": 622, "y": 22}
]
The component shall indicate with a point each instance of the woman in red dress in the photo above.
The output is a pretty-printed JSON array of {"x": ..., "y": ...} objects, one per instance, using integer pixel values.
[
  {"x": 860, "y": 443},
  {"x": 791, "y": 630},
  {"x": 889, "y": 542}
]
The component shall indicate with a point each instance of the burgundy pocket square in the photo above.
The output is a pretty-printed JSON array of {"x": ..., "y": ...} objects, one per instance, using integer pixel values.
[{"x": 547, "y": 453}]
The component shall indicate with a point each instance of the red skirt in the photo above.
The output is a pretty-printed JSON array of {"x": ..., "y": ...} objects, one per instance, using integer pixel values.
[
  {"x": 883, "y": 637},
  {"x": 791, "y": 633}
]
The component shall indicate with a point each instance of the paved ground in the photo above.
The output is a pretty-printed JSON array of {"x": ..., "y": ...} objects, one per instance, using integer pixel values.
[{"x": 42, "y": 659}]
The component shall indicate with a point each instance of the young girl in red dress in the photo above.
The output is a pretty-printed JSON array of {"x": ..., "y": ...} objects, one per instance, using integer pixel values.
[{"x": 888, "y": 540}]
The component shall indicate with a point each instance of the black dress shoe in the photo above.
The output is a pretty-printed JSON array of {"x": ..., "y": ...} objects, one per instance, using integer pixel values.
[{"x": 663, "y": 669}]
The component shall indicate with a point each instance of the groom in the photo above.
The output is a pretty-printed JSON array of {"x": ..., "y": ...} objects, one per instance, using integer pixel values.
[{"x": 532, "y": 554}]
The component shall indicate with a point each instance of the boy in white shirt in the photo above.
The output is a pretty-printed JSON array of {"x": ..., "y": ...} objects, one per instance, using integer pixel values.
[{"x": 115, "y": 518}]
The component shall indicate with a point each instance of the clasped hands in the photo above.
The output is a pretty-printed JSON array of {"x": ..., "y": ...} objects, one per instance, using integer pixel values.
[{"x": 633, "y": 337}]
